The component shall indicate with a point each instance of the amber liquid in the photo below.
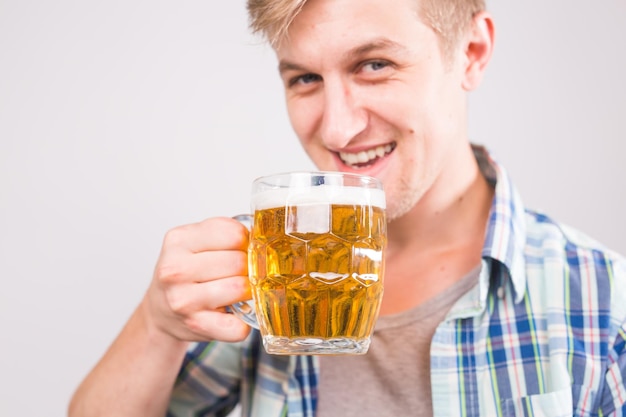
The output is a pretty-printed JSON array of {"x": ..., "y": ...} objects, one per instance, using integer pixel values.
[{"x": 322, "y": 284}]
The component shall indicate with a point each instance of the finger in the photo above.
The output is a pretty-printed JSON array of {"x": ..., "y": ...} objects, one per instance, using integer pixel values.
[
  {"x": 213, "y": 325},
  {"x": 219, "y": 233},
  {"x": 188, "y": 299},
  {"x": 208, "y": 266},
  {"x": 174, "y": 268}
]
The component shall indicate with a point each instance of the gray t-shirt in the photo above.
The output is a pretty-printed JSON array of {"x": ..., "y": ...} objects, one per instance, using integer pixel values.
[{"x": 393, "y": 378}]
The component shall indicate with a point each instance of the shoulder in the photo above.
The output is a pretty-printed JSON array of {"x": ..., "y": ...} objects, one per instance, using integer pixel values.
[
  {"x": 548, "y": 238},
  {"x": 593, "y": 275}
]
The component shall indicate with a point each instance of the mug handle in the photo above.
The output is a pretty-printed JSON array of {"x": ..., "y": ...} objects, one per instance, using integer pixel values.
[{"x": 244, "y": 309}]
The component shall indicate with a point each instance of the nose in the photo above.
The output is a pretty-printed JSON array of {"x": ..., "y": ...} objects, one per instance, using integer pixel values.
[{"x": 344, "y": 117}]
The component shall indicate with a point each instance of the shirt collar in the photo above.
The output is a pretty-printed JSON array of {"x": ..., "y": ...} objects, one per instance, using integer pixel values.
[{"x": 506, "y": 229}]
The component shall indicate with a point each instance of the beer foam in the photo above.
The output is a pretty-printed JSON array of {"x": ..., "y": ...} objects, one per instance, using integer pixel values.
[{"x": 319, "y": 194}]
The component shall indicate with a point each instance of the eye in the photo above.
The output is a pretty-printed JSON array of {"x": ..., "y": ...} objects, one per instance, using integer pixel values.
[
  {"x": 304, "y": 79},
  {"x": 374, "y": 66}
]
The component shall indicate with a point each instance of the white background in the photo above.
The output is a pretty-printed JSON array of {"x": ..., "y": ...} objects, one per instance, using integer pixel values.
[{"x": 124, "y": 118}]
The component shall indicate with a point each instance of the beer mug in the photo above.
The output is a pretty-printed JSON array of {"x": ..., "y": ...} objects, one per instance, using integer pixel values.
[{"x": 315, "y": 261}]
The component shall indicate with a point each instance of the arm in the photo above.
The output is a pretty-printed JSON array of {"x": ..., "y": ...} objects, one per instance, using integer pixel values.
[
  {"x": 135, "y": 376},
  {"x": 201, "y": 269},
  {"x": 612, "y": 396}
]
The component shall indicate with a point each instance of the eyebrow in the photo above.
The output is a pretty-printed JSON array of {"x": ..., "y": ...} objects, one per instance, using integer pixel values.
[{"x": 377, "y": 44}]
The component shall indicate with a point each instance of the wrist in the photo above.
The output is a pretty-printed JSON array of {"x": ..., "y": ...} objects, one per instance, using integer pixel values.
[{"x": 156, "y": 334}]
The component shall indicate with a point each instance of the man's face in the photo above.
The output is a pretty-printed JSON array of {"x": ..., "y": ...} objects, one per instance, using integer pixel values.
[{"x": 367, "y": 91}]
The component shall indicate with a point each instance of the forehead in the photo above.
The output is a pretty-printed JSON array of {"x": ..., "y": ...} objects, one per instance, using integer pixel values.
[{"x": 326, "y": 26}]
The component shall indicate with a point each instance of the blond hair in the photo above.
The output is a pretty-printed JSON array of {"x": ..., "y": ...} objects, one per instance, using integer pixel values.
[{"x": 448, "y": 18}]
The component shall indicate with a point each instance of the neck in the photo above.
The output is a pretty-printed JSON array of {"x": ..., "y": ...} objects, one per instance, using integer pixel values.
[
  {"x": 447, "y": 215},
  {"x": 440, "y": 239}
]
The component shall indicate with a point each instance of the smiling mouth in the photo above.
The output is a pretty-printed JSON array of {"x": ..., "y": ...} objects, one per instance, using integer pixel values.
[{"x": 366, "y": 158}]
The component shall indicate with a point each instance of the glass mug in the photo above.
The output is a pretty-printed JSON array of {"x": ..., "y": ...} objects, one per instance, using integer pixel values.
[{"x": 315, "y": 261}]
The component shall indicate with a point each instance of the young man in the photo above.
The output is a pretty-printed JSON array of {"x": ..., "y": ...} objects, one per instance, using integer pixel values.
[{"x": 489, "y": 308}]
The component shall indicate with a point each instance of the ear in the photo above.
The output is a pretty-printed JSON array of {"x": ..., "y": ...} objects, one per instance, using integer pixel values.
[{"x": 478, "y": 49}]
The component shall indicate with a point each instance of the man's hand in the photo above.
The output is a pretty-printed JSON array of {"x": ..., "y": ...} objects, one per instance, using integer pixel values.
[{"x": 202, "y": 269}]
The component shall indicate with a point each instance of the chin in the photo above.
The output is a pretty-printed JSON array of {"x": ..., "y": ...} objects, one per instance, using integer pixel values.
[{"x": 402, "y": 204}]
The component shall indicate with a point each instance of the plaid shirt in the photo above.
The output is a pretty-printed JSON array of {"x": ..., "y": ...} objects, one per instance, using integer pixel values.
[{"x": 543, "y": 333}]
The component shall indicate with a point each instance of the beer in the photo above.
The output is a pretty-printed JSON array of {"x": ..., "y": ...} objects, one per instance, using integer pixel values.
[{"x": 316, "y": 267}]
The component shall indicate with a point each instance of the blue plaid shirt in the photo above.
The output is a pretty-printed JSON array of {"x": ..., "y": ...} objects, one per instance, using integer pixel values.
[{"x": 543, "y": 333}]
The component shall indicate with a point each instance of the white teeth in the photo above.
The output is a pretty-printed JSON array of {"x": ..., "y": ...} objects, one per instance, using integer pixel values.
[{"x": 364, "y": 157}]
